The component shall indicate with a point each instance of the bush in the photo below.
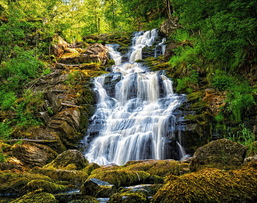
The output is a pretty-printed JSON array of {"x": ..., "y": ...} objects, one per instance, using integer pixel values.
[
  {"x": 240, "y": 99},
  {"x": 222, "y": 81}
]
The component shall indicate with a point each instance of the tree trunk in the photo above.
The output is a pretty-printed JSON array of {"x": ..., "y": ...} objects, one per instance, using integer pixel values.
[{"x": 167, "y": 8}]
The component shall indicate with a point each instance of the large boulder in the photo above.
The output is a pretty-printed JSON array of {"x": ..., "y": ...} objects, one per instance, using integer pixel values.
[
  {"x": 73, "y": 159},
  {"x": 210, "y": 185},
  {"x": 97, "y": 188},
  {"x": 75, "y": 177},
  {"x": 222, "y": 154},
  {"x": 120, "y": 177}
]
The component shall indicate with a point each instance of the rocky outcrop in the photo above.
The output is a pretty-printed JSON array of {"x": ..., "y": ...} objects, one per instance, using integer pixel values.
[
  {"x": 33, "y": 154},
  {"x": 68, "y": 159},
  {"x": 222, "y": 154},
  {"x": 95, "y": 53},
  {"x": 65, "y": 107}
]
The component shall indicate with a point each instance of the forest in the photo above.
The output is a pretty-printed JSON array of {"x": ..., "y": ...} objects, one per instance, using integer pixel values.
[{"x": 211, "y": 57}]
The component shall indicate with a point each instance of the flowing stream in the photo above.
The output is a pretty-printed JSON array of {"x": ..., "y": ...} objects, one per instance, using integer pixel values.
[{"x": 134, "y": 117}]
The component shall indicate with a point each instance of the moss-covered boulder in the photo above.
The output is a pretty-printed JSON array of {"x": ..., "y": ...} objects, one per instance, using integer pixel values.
[
  {"x": 210, "y": 185},
  {"x": 158, "y": 167},
  {"x": 75, "y": 177},
  {"x": 15, "y": 183},
  {"x": 70, "y": 159},
  {"x": 222, "y": 153},
  {"x": 120, "y": 177},
  {"x": 36, "y": 197},
  {"x": 128, "y": 197},
  {"x": 47, "y": 186},
  {"x": 88, "y": 169},
  {"x": 97, "y": 188}
]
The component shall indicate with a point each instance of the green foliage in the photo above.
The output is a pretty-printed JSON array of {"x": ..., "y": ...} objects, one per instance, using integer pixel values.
[
  {"x": 240, "y": 95},
  {"x": 243, "y": 136},
  {"x": 224, "y": 30},
  {"x": 2, "y": 157},
  {"x": 240, "y": 98},
  {"x": 26, "y": 109},
  {"x": 185, "y": 83},
  {"x": 5, "y": 130},
  {"x": 222, "y": 81}
]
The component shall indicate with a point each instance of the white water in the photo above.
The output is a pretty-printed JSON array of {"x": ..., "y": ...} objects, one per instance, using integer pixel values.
[{"x": 133, "y": 123}]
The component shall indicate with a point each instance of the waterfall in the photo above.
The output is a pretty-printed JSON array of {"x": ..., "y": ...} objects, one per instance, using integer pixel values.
[{"x": 134, "y": 115}]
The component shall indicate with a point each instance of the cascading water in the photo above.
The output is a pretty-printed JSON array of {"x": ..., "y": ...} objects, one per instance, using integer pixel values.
[{"x": 134, "y": 115}]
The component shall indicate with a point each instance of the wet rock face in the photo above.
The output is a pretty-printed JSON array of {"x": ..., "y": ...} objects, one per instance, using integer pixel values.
[
  {"x": 223, "y": 154},
  {"x": 69, "y": 157},
  {"x": 97, "y": 188},
  {"x": 110, "y": 82}
]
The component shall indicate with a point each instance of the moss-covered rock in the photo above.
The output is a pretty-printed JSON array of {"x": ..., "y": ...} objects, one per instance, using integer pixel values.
[
  {"x": 120, "y": 177},
  {"x": 210, "y": 185},
  {"x": 70, "y": 159},
  {"x": 72, "y": 176},
  {"x": 128, "y": 197},
  {"x": 88, "y": 169},
  {"x": 46, "y": 186},
  {"x": 15, "y": 183},
  {"x": 97, "y": 188},
  {"x": 158, "y": 167},
  {"x": 223, "y": 154},
  {"x": 36, "y": 197}
]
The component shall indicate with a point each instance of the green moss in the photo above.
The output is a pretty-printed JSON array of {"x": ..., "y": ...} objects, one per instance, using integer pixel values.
[
  {"x": 36, "y": 197},
  {"x": 252, "y": 149},
  {"x": 120, "y": 177},
  {"x": 159, "y": 167},
  {"x": 16, "y": 182},
  {"x": 72, "y": 176},
  {"x": 46, "y": 186},
  {"x": 210, "y": 185},
  {"x": 201, "y": 119},
  {"x": 90, "y": 168},
  {"x": 90, "y": 66},
  {"x": 222, "y": 153}
]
